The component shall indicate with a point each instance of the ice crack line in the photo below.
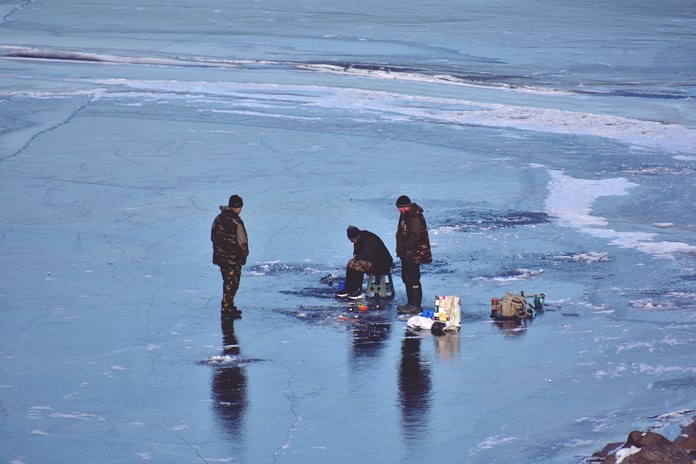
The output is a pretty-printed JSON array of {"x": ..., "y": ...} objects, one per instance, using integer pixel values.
[
  {"x": 196, "y": 449},
  {"x": 298, "y": 419},
  {"x": 21, "y": 6},
  {"x": 48, "y": 129}
]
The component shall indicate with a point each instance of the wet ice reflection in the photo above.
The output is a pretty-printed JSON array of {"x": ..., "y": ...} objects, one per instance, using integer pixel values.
[
  {"x": 229, "y": 386},
  {"x": 370, "y": 338},
  {"x": 415, "y": 387}
]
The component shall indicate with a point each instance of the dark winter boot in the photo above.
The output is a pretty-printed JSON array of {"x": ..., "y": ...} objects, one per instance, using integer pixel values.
[
  {"x": 408, "y": 296},
  {"x": 417, "y": 300},
  {"x": 415, "y": 296}
]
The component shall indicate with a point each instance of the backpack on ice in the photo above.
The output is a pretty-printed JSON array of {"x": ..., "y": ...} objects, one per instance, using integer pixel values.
[{"x": 515, "y": 306}]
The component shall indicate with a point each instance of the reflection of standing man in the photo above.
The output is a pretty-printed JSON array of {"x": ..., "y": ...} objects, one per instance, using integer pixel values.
[
  {"x": 229, "y": 385},
  {"x": 414, "y": 389},
  {"x": 230, "y": 251},
  {"x": 413, "y": 247}
]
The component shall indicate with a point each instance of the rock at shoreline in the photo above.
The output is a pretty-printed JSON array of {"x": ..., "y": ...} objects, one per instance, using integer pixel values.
[
  {"x": 687, "y": 439},
  {"x": 651, "y": 448}
]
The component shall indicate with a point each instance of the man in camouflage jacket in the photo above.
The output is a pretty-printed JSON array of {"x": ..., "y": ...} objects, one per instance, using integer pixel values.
[
  {"x": 230, "y": 250},
  {"x": 413, "y": 247}
]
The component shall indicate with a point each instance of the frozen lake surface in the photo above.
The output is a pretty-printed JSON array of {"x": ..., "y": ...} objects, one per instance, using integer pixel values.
[{"x": 553, "y": 148}]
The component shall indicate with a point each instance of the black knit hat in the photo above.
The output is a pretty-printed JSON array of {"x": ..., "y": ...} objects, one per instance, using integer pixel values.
[
  {"x": 352, "y": 232},
  {"x": 235, "y": 202},
  {"x": 403, "y": 201}
]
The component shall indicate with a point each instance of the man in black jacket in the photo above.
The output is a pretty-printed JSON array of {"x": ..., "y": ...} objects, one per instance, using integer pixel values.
[
  {"x": 370, "y": 255},
  {"x": 413, "y": 247},
  {"x": 230, "y": 251}
]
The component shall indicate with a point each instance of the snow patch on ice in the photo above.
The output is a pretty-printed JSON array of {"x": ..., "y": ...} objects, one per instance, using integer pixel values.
[
  {"x": 36, "y": 412},
  {"x": 587, "y": 257},
  {"x": 660, "y": 170},
  {"x": 571, "y": 200},
  {"x": 83, "y": 416},
  {"x": 617, "y": 372},
  {"x": 220, "y": 360},
  {"x": 632, "y": 346},
  {"x": 495, "y": 440},
  {"x": 642, "y": 368},
  {"x": 675, "y": 414},
  {"x": 39, "y": 412},
  {"x": 605, "y": 311},
  {"x": 93, "y": 93},
  {"x": 273, "y": 268},
  {"x": 659, "y": 370},
  {"x": 671, "y": 341},
  {"x": 650, "y": 305},
  {"x": 39, "y": 432},
  {"x": 390, "y": 106}
]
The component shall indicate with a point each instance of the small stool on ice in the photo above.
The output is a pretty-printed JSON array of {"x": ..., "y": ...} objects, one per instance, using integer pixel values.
[{"x": 380, "y": 285}]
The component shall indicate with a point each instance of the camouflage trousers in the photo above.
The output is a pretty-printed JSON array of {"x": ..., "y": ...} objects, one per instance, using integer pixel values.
[
  {"x": 231, "y": 276},
  {"x": 360, "y": 265},
  {"x": 355, "y": 273}
]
